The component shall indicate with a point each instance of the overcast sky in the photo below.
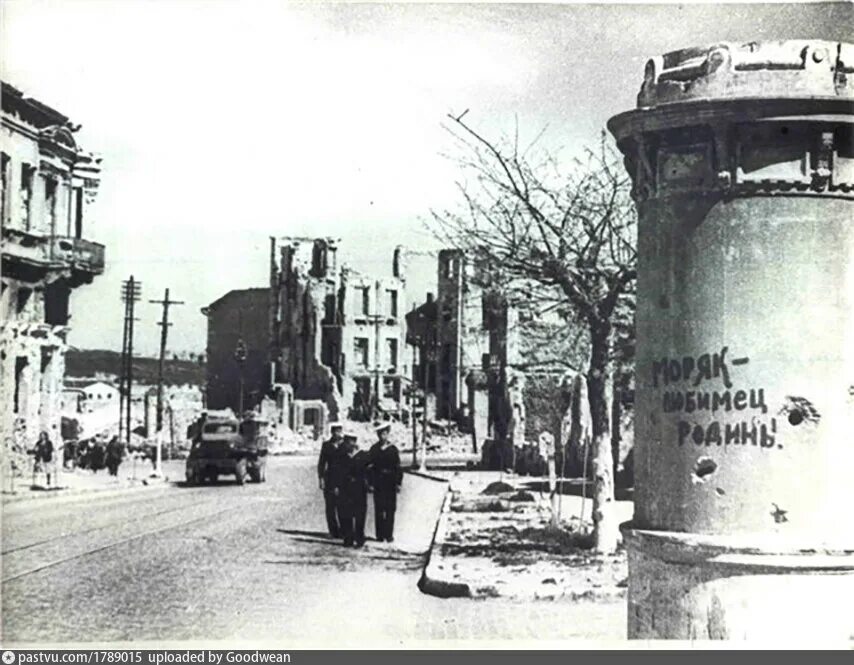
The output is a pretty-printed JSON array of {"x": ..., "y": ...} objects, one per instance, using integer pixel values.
[{"x": 222, "y": 123}]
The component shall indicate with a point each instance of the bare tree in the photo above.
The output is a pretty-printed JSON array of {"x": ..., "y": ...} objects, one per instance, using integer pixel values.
[{"x": 554, "y": 239}]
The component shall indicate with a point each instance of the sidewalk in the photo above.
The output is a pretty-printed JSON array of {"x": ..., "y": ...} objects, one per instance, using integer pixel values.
[
  {"x": 72, "y": 482},
  {"x": 501, "y": 545}
]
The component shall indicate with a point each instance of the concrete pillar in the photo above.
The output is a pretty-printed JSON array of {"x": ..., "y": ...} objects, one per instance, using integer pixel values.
[
  {"x": 150, "y": 412},
  {"x": 743, "y": 169}
]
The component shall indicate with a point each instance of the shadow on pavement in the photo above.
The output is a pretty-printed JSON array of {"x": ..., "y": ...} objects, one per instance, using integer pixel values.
[
  {"x": 575, "y": 487},
  {"x": 299, "y": 532},
  {"x": 320, "y": 537}
]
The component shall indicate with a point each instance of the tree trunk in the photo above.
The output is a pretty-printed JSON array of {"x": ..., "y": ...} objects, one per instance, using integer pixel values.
[
  {"x": 606, "y": 531},
  {"x": 616, "y": 412}
]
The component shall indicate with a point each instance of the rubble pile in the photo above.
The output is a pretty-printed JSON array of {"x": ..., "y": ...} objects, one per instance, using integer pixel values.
[
  {"x": 499, "y": 540},
  {"x": 17, "y": 461},
  {"x": 448, "y": 442},
  {"x": 288, "y": 442}
]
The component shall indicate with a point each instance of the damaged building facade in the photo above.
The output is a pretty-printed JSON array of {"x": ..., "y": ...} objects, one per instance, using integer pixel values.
[
  {"x": 337, "y": 336},
  {"x": 469, "y": 354},
  {"x": 48, "y": 187},
  {"x": 497, "y": 371},
  {"x": 322, "y": 343}
]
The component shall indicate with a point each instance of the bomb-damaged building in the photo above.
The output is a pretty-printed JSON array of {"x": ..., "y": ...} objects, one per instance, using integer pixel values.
[
  {"x": 337, "y": 335},
  {"x": 485, "y": 363},
  {"x": 322, "y": 343},
  {"x": 49, "y": 185}
]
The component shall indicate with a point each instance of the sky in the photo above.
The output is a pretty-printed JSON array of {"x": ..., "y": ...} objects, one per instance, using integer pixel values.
[{"x": 222, "y": 123}]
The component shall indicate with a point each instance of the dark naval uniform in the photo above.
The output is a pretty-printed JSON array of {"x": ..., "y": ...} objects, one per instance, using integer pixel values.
[
  {"x": 353, "y": 497},
  {"x": 328, "y": 474},
  {"x": 386, "y": 477}
]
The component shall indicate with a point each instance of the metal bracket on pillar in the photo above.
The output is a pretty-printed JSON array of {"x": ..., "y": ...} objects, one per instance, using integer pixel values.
[
  {"x": 821, "y": 173},
  {"x": 645, "y": 186},
  {"x": 723, "y": 155}
]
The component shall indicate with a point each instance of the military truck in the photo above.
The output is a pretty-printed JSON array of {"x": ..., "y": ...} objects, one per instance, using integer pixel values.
[{"x": 225, "y": 445}]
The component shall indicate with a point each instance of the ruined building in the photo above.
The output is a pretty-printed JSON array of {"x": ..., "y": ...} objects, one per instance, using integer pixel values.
[
  {"x": 462, "y": 339},
  {"x": 465, "y": 342},
  {"x": 422, "y": 331},
  {"x": 322, "y": 342},
  {"x": 337, "y": 336},
  {"x": 48, "y": 187},
  {"x": 487, "y": 365},
  {"x": 238, "y": 349}
]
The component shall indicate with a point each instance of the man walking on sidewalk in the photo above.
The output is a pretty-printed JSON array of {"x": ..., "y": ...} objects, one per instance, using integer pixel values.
[
  {"x": 386, "y": 477},
  {"x": 330, "y": 456},
  {"x": 353, "y": 493}
]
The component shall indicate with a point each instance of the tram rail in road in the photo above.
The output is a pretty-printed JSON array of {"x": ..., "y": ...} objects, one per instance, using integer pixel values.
[{"x": 45, "y": 563}]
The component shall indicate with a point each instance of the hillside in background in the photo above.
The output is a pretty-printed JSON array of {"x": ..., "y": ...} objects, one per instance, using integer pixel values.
[{"x": 88, "y": 362}]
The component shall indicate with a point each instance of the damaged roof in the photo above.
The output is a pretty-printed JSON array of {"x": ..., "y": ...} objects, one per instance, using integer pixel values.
[{"x": 33, "y": 111}]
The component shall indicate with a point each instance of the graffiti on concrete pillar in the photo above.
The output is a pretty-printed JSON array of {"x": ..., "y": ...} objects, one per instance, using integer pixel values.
[{"x": 690, "y": 387}]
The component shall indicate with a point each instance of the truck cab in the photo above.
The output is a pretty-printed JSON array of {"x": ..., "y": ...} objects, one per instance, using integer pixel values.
[{"x": 226, "y": 445}]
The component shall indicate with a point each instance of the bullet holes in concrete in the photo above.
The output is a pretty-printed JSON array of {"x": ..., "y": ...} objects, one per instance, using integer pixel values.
[
  {"x": 779, "y": 514},
  {"x": 704, "y": 467},
  {"x": 798, "y": 410}
]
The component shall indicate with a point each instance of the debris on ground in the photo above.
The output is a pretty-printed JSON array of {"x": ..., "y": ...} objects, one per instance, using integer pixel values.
[
  {"x": 498, "y": 487},
  {"x": 500, "y": 541}
]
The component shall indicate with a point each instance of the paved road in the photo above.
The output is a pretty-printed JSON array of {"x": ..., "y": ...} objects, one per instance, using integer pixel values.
[{"x": 241, "y": 563}]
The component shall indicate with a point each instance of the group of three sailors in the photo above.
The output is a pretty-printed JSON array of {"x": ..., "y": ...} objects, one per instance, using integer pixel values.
[{"x": 347, "y": 474}]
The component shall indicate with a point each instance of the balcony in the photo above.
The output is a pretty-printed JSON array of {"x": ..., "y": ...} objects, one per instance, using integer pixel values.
[
  {"x": 83, "y": 256},
  {"x": 32, "y": 254},
  {"x": 25, "y": 247}
]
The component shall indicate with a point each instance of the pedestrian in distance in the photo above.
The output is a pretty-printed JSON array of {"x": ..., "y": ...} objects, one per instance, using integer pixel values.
[
  {"x": 96, "y": 455},
  {"x": 352, "y": 493},
  {"x": 43, "y": 462},
  {"x": 328, "y": 477},
  {"x": 114, "y": 456},
  {"x": 386, "y": 478}
]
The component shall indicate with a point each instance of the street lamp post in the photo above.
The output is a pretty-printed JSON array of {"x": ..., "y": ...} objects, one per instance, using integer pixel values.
[{"x": 240, "y": 357}]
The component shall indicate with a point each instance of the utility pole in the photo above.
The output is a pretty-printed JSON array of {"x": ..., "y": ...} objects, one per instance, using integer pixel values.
[
  {"x": 131, "y": 291},
  {"x": 413, "y": 396},
  {"x": 423, "y": 464},
  {"x": 164, "y": 328},
  {"x": 122, "y": 365}
]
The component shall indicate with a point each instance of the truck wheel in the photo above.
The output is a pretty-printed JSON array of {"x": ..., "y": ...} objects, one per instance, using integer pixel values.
[
  {"x": 255, "y": 475},
  {"x": 191, "y": 477},
  {"x": 240, "y": 472}
]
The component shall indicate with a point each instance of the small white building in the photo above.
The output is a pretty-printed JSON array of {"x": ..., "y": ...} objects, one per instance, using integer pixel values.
[{"x": 100, "y": 394}]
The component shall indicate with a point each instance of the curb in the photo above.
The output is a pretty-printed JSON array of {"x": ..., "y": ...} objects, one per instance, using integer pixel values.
[
  {"x": 69, "y": 493},
  {"x": 428, "y": 476},
  {"x": 435, "y": 580}
]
